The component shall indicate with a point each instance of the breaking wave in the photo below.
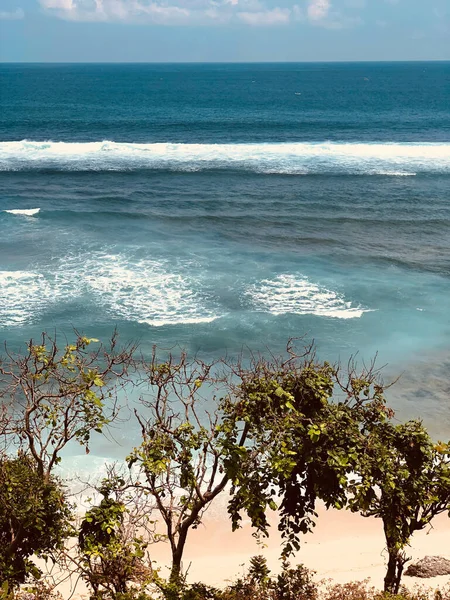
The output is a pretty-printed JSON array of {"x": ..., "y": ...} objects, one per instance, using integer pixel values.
[
  {"x": 145, "y": 291},
  {"x": 155, "y": 292},
  {"x": 392, "y": 159},
  {"x": 142, "y": 291},
  {"x": 297, "y": 295},
  {"x": 28, "y": 212}
]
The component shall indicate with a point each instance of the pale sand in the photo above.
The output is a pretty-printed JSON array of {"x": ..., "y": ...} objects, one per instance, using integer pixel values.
[{"x": 344, "y": 547}]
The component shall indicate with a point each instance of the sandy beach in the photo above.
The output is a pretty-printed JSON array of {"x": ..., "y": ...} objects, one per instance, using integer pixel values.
[{"x": 344, "y": 547}]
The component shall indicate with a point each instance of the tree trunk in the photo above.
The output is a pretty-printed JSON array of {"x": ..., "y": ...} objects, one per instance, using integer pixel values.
[
  {"x": 176, "y": 575},
  {"x": 394, "y": 571}
]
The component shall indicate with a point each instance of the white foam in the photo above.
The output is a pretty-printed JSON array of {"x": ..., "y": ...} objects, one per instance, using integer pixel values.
[
  {"x": 395, "y": 174},
  {"x": 23, "y": 295},
  {"x": 28, "y": 212},
  {"x": 297, "y": 295},
  {"x": 144, "y": 291},
  {"x": 151, "y": 292},
  {"x": 299, "y": 157}
]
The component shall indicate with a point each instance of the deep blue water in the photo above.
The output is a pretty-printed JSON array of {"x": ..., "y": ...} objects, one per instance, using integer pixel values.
[{"x": 217, "y": 206}]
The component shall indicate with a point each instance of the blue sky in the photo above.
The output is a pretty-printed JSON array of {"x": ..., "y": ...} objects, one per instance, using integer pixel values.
[{"x": 223, "y": 30}]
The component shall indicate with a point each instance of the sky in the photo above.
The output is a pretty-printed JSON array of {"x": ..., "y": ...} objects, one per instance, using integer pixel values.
[{"x": 223, "y": 30}]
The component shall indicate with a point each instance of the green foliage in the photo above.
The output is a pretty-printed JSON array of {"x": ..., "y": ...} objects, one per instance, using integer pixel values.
[
  {"x": 110, "y": 561},
  {"x": 34, "y": 518},
  {"x": 290, "y": 584},
  {"x": 304, "y": 443},
  {"x": 77, "y": 381},
  {"x": 49, "y": 396},
  {"x": 200, "y": 591},
  {"x": 404, "y": 479},
  {"x": 258, "y": 570},
  {"x": 295, "y": 583},
  {"x": 38, "y": 591},
  {"x": 179, "y": 462},
  {"x": 101, "y": 524},
  {"x": 52, "y": 395},
  {"x": 288, "y": 434},
  {"x": 361, "y": 590}
]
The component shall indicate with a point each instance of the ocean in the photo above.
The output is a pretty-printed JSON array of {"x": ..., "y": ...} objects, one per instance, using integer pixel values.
[{"x": 227, "y": 206}]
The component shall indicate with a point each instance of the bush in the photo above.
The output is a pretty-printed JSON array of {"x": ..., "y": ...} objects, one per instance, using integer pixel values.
[{"x": 34, "y": 518}]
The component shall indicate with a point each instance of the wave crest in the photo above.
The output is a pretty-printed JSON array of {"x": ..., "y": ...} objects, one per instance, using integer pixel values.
[
  {"x": 28, "y": 212},
  {"x": 284, "y": 158}
]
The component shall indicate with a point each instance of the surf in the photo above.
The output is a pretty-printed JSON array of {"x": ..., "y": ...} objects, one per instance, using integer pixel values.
[
  {"x": 390, "y": 159},
  {"x": 27, "y": 212}
]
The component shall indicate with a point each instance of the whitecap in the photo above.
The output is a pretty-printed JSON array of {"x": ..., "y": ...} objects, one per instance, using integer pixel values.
[
  {"x": 297, "y": 295},
  {"x": 144, "y": 291},
  {"x": 395, "y": 173},
  {"x": 23, "y": 294},
  {"x": 288, "y": 157},
  {"x": 28, "y": 212}
]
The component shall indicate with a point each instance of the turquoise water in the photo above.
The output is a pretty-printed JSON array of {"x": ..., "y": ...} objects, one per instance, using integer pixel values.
[{"x": 222, "y": 206}]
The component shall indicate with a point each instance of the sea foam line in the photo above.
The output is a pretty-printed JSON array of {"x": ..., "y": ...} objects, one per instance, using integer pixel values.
[{"x": 299, "y": 157}]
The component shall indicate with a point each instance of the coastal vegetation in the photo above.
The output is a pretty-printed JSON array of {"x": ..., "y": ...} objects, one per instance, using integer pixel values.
[{"x": 270, "y": 435}]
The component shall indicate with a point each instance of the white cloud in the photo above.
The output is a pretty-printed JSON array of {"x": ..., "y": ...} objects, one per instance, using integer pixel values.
[
  {"x": 180, "y": 12},
  {"x": 163, "y": 14},
  {"x": 119, "y": 10},
  {"x": 320, "y": 13},
  {"x": 276, "y": 16},
  {"x": 198, "y": 12},
  {"x": 318, "y": 9},
  {"x": 13, "y": 15}
]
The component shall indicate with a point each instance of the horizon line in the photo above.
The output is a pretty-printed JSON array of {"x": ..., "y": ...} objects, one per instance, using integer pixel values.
[{"x": 222, "y": 62}]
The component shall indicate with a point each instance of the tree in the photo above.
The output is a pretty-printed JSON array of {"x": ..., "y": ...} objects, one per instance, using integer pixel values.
[
  {"x": 34, "y": 518},
  {"x": 180, "y": 459},
  {"x": 274, "y": 436},
  {"x": 305, "y": 425},
  {"x": 403, "y": 478},
  {"x": 277, "y": 434},
  {"x": 290, "y": 584},
  {"x": 50, "y": 397},
  {"x": 111, "y": 545}
]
